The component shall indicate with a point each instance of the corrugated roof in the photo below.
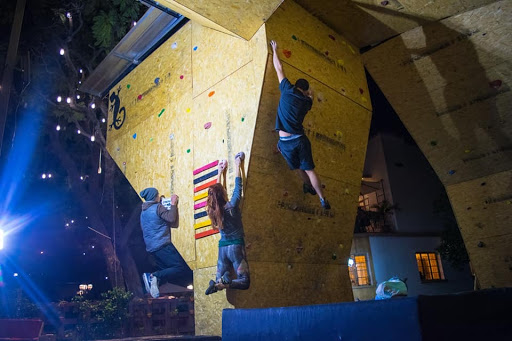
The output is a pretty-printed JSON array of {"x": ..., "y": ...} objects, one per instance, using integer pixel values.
[{"x": 151, "y": 31}]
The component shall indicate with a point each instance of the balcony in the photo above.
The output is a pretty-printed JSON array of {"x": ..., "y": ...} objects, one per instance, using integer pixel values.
[{"x": 374, "y": 212}]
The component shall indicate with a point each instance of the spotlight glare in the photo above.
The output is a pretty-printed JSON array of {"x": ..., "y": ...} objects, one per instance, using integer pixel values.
[
  {"x": 350, "y": 262},
  {"x": 92, "y": 138},
  {"x": 81, "y": 71},
  {"x": 50, "y": 175},
  {"x": 72, "y": 221},
  {"x": 190, "y": 287},
  {"x": 15, "y": 274},
  {"x": 93, "y": 105},
  {"x": 81, "y": 178},
  {"x": 57, "y": 127},
  {"x": 61, "y": 52},
  {"x": 59, "y": 99},
  {"x": 43, "y": 176},
  {"x": 103, "y": 120},
  {"x": 42, "y": 252},
  {"x": 68, "y": 100},
  {"x": 68, "y": 15},
  {"x": 134, "y": 23},
  {"x": 77, "y": 96},
  {"x": 78, "y": 131},
  {"x": 106, "y": 277}
]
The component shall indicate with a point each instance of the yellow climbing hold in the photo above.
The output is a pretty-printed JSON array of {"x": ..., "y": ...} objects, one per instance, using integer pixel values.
[
  {"x": 467, "y": 151},
  {"x": 188, "y": 110}
]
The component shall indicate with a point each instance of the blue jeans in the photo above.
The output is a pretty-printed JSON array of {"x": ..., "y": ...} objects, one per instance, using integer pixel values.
[
  {"x": 233, "y": 257},
  {"x": 172, "y": 267}
]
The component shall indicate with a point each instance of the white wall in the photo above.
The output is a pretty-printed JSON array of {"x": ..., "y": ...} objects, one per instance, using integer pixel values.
[{"x": 396, "y": 256}]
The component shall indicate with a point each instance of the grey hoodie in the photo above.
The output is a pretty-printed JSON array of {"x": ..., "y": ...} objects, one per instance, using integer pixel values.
[{"x": 156, "y": 222}]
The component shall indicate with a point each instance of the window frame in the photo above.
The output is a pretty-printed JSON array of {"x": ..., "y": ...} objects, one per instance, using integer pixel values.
[
  {"x": 368, "y": 272},
  {"x": 438, "y": 265}
]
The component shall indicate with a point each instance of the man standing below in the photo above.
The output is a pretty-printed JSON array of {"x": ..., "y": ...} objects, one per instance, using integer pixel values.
[
  {"x": 156, "y": 221},
  {"x": 295, "y": 102}
]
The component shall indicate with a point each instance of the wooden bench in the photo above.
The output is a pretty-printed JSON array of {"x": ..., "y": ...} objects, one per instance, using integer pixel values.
[{"x": 20, "y": 330}]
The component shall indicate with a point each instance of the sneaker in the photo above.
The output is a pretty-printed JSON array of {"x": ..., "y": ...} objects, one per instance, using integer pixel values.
[
  {"x": 146, "y": 277},
  {"x": 307, "y": 188},
  {"x": 325, "y": 204},
  {"x": 211, "y": 288},
  {"x": 226, "y": 278},
  {"x": 153, "y": 289}
]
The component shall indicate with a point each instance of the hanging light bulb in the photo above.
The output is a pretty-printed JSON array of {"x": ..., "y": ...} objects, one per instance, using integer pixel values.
[
  {"x": 134, "y": 23},
  {"x": 61, "y": 52},
  {"x": 103, "y": 120},
  {"x": 49, "y": 175},
  {"x": 68, "y": 15},
  {"x": 81, "y": 71},
  {"x": 57, "y": 127},
  {"x": 93, "y": 105},
  {"x": 59, "y": 99},
  {"x": 78, "y": 131},
  {"x": 77, "y": 96},
  {"x": 93, "y": 138},
  {"x": 68, "y": 100},
  {"x": 43, "y": 176}
]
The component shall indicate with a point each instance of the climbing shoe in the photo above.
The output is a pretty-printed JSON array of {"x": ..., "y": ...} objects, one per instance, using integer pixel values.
[
  {"x": 211, "y": 288},
  {"x": 226, "y": 278},
  {"x": 325, "y": 204},
  {"x": 307, "y": 188}
]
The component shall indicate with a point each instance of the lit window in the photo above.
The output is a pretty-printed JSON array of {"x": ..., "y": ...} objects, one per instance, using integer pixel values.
[
  {"x": 429, "y": 266},
  {"x": 358, "y": 270}
]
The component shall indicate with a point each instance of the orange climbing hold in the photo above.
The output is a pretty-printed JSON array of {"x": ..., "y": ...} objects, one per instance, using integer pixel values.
[
  {"x": 211, "y": 93},
  {"x": 287, "y": 53}
]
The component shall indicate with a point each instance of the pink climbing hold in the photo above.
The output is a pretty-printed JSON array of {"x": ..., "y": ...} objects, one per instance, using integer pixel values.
[
  {"x": 139, "y": 97},
  {"x": 287, "y": 53},
  {"x": 181, "y": 77},
  {"x": 496, "y": 84},
  {"x": 207, "y": 125},
  {"x": 332, "y": 37}
]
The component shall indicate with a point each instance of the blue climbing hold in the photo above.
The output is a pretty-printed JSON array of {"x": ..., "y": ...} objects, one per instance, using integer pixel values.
[
  {"x": 195, "y": 48},
  {"x": 134, "y": 136},
  {"x": 451, "y": 172},
  {"x": 157, "y": 80}
]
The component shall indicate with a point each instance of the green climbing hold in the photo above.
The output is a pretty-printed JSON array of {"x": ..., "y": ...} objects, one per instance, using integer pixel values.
[
  {"x": 128, "y": 86},
  {"x": 188, "y": 150},
  {"x": 161, "y": 112},
  {"x": 151, "y": 140},
  {"x": 433, "y": 143},
  {"x": 294, "y": 37},
  {"x": 243, "y": 119}
]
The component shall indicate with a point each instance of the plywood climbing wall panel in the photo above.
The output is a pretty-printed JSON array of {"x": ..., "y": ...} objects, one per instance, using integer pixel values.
[
  {"x": 450, "y": 84},
  {"x": 240, "y": 17},
  {"x": 303, "y": 39},
  {"x": 483, "y": 208}
]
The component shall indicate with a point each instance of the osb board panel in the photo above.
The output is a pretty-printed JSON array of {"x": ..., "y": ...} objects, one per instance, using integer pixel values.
[
  {"x": 336, "y": 127},
  {"x": 450, "y": 84},
  {"x": 241, "y": 17},
  {"x": 217, "y": 55},
  {"x": 483, "y": 208},
  {"x": 310, "y": 46},
  {"x": 368, "y": 22},
  {"x": 290, "y": 284},
  {"x": 208, "y": 309},
  {"x": 233, "y": 118},
  {"x": 168, "y": 63}
]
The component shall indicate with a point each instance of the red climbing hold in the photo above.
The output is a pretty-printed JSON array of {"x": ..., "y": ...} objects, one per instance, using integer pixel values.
[
  {"x": 496, "y": 84},
  {"x": 287, "y": 53},
  {"x": 211, "y": 93},
  {"x": 207, "y": 125},
  {"x": 139, "y": 97},
  {"x": 326, "y": 53},
  {"x": 361, "y": 91},
  {"x": 332, "y": 37}
]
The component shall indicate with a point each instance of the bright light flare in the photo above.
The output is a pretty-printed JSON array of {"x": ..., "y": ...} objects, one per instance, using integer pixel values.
[
  {"x": 61, "y": 52},
  {"x": 59, "y": 99},
  {"x": 190, "y": 287}
]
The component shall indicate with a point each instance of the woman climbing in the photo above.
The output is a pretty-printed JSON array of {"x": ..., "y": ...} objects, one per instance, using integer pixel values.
[{"x": 226, "y": 216}]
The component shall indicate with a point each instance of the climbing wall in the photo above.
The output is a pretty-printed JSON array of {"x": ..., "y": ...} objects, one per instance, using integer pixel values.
[
  {"x": 450, "y": 84},
  {"x": 297, "y": 251},
  {"x": 203, "y": 96}
]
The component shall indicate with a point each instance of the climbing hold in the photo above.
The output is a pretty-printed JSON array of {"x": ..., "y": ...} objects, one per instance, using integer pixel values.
[
  {"x": 128, "y": 86},
  {"x": 195, "y": 48},
  {"x": 343, "y": 90},
  {"x": 341, "y": 246},
  {"x": 384, "y": 3},
  {"x": 351, "y": 49},
  {"x": 139, "y": 97},
  {"x": 332, "y": 37},
  {"x": 118, "y": 149},
  {"x": 496, "y": 84},
  {"x": 157, "y": 80},
  {"x": 334, "y": 256},
  {"x": 188, "y": 150},
  {"x": 480, "y": 244},
  {"x": 289, "y": 266},
  {"x": 285, "y": 193},
  {"x": 294, "y": 37},
  {"x": 483, "y": 184},
  {"x": 211, "y": 93},
  {"x": 243, "y": 119},
  {"x": 207, "y": 125},
  {"x": 161, "y": 112},
  {"x": 174, "y": 45},
  {"x": 188, "y": 110},
  {"x": 451, "y": 172},
  {"x": 326, "y": 53},
  {"x": 181, "y": 77},
  {"x": 468, "y": 208},
  {"x": 287, "y": 53},
  {"x": 363, "y": 99},
  {"x": 124, "y": 163},
  {"x": 509, "y": 202},
  {"x": 341, "y": 62},
  {"x": 467, "y": 151},
  {"x": 361, "y": 91},
  {"x": 151, "y": 140},
  {"x": 433, "y": 143},
  {"x": 347, "y": 191},
  {"x": 171, "y": 136},
  {"x": 134, "y": 136},
  {"x": 222, "y": 140}
]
